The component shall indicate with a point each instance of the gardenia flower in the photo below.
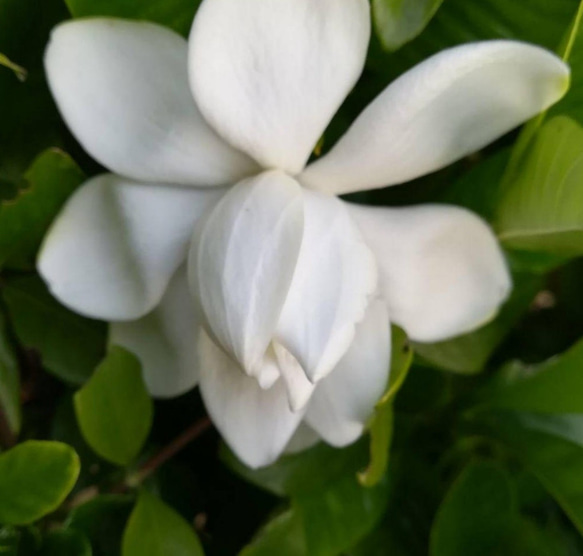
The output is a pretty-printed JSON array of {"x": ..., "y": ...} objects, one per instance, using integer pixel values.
[{"x": 220, "y": 258}]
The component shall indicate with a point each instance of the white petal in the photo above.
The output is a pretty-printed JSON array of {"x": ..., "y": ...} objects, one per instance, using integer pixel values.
[
  {"x": 242, "y": 262},
  {"x": 122, "y": 87},
  {"x": 345, "y": 399},
  {"x": 299, "y": 388},
  {"x": 164, "y": 341},
  {"x": 441, "y": 268},
  {"x": 447, "y": 107},
  {"x": 270, "y": 74},
  {"x": 257, "y": 424},
  {"x": 113, "y": 249},
  {"x": 334, "y": 279},
  {"x": 304, "y": 438}
]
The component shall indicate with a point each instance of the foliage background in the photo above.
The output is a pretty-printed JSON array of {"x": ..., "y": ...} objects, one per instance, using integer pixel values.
[{"x": 476, "y": 449}]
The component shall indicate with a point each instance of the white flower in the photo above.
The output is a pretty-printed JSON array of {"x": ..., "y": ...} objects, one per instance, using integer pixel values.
[{"x": 294, "y": 287}]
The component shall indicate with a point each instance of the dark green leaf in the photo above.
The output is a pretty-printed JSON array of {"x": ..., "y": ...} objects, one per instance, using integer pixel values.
[
  {"x": 35, "y": 478},
  {"x": 542, "y": 22},
  {"x": 552, "y": 387},
  {"x": 65, "y": 543},
  {"x": 468, "y": 354},
  {"x": 25, "y": 219},
  {"x": 556, "y": 462},
  {"x": 399, "y": 21},
  {"x": 381, "y": 425},
  {"x": 476, "y": 513},
  {"x": 308, "y": 471},
  {"x": 541, "y": 210},
  {"x": 102, "y": 520},
  {"x": 9, "y": 382},
  {"x": 70, "y": 346},
  {"x": 337, "y": 517},
  {"x": 176, "y": 14},
  {"x": 283, "y": 535},
  {"x": 114, "y": 409},
  {"x": 154, "y": 529}
]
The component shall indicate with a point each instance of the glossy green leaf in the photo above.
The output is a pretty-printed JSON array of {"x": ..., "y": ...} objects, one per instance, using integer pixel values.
[
  {"x": 25, "y": 219},
  {"x": 9, "y": 382},
  {"x": 283, "y": 535},
  {"x": 65, "y": 543},
  {"x": 154, "y": 529},
  {"x": 382, "y": 422},
  {"x": 476, "y": 514},
  {"x": 399, "y": 21},
  {"x": 114, "y": 409},
  {"x": 468, "y": 354},
  {"x": 102, "y": 521},
  {"x": 69, "y": 345},
  {"x": 552, "y": 387},
  {"x": 35, "y": 479},
  {"x": 541, "y": 210},
  {"x": 176, "y": 14}
]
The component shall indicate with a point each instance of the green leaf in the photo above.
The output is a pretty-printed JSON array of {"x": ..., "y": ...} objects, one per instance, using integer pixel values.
[
  {"x": 552, "y": 387},
  {"x": 283, "y": 535},
  {"x": 176, "y": 14},
  {"x": 541, "y": 210},
  {"x": 336, "y": 518},
  {"x": 311, "y": 470},
  {"x": 476, "y": 513},
  {"x": 469, "y": 354},
  {"x": 65, "y": 543},
  {"x": 154, "y": 529},
  {"x": 399, "y": 21},
  {"x": 102, "y": 520},
  {"x": 70, "y": 346},
  {"x": 20, "y": 72},
  {"x": 557, "y": 463},
  {"x": 114, "y": 409},
  {"x": 381, "y": 425},
  {"x": 9, "y": 382},
  {"x": 541, "y": 22},
  {"x": 35, "y": 479},
  {"x": 572, "y": 52},
  {"x": 25, "y": 219}
]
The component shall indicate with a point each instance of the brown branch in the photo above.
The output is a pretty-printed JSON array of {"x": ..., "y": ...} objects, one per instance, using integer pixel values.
[
  {"x": 169, "y": 451},
  {"x": 148, "y": 467}
]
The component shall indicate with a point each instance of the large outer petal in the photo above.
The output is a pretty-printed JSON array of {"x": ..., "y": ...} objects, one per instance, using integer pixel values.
[
  {"x": 257, "y": 424},
  {"x": 113, "y": 249},
  {"x": 165, "y": 341},
  {"x": 345, "y": 399},
  {"x": 334, "y": 279},
  {"x": 441, "y": 269},
  {"x": 450, "y": 105},
  {"x": 242, "y": 262},
  {"x": 270, "y": 74},
  {"x": 123, "y": 89}
]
